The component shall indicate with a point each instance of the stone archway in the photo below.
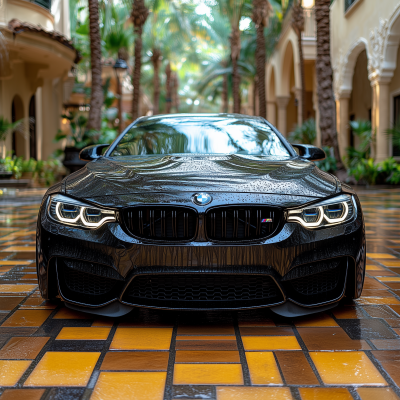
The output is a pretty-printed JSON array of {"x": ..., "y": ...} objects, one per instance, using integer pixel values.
[
  {"x": 357, "y": 58},
  {"x": 286, "y": 99}
]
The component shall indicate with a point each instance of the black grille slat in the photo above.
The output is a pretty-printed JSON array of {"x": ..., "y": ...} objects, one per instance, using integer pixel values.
[
  {"x": 88, "y": 284},
  {"x": 161, "y": 223},
  {"x": 241, "y": 223},
  {"x": 318, "y": 283},
  {"x": 202, "y": 291}
]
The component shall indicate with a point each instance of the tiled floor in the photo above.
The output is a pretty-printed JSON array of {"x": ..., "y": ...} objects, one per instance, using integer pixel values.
[{"x": 50, "y": 352}]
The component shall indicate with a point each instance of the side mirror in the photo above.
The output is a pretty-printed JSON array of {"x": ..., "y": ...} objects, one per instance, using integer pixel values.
[
  {"x": 91, "y": 153},
  {"x": 310, "y": 152}
]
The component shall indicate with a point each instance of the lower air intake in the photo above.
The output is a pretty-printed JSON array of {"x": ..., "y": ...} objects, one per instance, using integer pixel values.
[{"x": 204, "y": 291}]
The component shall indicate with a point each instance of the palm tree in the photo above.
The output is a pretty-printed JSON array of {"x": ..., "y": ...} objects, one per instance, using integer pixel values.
[
  {"x": 234, "y": 10},
  {"x": 139, "y": 16},
  {"x": 96, "y": 99},
  {"x": 155, "y": 59},
  {"x": 326, "y": 102},
  {"x": 298, "y": 26},
  {"x": 261, "y": 9},
  {"x": 168, "y": 87}
]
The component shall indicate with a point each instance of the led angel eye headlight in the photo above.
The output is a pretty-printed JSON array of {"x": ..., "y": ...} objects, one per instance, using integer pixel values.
[
  {"x": 75, "y": 213},
  {"x": 326, "y": 213}
]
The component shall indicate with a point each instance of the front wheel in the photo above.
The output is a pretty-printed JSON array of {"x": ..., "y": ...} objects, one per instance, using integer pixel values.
[{"x": 356, "y": 274}]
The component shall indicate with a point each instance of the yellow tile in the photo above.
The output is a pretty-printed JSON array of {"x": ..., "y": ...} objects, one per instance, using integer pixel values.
[
  {"x": 11, "y": 371},
  {"x": 142, "y": 339},
  {"x": 374, "y": 268},
  {"x": 391, "y": 263},
  {"x": 78, "y": 333},
  {"x": 20, "y": 248},
  {"x": 377, "y": 393},
  {"x": 206, "y": 338},
  {"x": 377, "y": 300},
  {"x": 66, "y": 313},
  {"x": 389, "y": 279},
  {"x": 130, "y": 385},
  {"x": 103, "y": 322},
  {"x": 16, "y": 288},
  {"x": 347, "y": 368},
  {"x": 63, "y": 369},
  {"x": 263, "y": 368},
  {"x": 208, "y": 374},
  {"x": 270, "y": 343},
  {"x": 325, "y": 394},
  {"x": 27, "y": 318},
  {"x": 253, "y": 393},
  {"x": 13, "y": 262},
  {"x": 380, "y": 255},
  {"x": 316, "y": 320}
]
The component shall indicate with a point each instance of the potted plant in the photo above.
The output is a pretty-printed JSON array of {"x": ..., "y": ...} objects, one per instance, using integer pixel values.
[
  {"x": 28, "y": 168},
  {"x": 76, "y": 139},
  {"x": 5, "y": 129}
]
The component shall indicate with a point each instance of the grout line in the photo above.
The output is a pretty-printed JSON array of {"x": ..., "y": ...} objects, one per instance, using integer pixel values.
[
  {"x": 242, "y": 354},
  {"x": 383, "y": 372},
  {"x": 307, "y": 355},
  {"x": 169, "y": 381}
]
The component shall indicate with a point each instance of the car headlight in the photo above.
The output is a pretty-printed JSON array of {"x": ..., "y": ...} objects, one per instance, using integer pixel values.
[
  {"x": 325, "y": 213},
  {"x": 75, "y": 213}
]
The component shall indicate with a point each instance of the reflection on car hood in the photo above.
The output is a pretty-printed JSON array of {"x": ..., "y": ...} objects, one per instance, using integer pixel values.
[{"x": 195, "y": 173}]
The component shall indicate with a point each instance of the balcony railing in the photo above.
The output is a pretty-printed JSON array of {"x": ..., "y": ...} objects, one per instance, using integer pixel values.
[
  {"x": 44, "y": 3},
  {"x": 309, "y": 23},
  {"x": 348, "y": 4}
]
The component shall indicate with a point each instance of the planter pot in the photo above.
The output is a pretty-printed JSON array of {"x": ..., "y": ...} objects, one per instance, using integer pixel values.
[
  {"x": 71, "y": 159},
  {"x": 6, "y": 175},
  {"x": 27, "y": 175}
]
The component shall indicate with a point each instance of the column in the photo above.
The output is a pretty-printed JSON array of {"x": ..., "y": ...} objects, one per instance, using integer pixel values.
[
  {"x": 282, "y": 102},
  {"x": 271, "y": 112},
  {"x": 381, "y": 117},
  {"x": 39, "y": 122},
  {"x": 342, "y": 110}
]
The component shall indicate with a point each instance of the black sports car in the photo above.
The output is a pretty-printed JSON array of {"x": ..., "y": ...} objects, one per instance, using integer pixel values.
[{"x": 203, "y": 211}]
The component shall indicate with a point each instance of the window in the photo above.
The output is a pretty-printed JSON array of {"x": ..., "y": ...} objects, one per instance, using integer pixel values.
[{"x": 348, "y": 4}]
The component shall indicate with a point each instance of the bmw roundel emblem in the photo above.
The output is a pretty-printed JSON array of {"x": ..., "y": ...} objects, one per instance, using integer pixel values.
[{"x": 202, "y": 199}]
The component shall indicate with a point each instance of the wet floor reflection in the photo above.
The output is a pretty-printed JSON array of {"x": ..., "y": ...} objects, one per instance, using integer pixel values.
[{"x": 351, "y": 352}]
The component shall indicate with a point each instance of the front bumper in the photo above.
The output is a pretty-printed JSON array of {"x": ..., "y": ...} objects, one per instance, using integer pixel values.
[{"x": 111, "y": 255}]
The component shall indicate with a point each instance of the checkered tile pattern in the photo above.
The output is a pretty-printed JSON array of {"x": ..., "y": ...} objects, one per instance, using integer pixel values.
[{"x": 50, "y": 352}]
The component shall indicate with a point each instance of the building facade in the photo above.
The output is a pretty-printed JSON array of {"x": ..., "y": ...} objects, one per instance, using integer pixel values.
[
  {"x": 365, "y": 37},
  {"x": 36, "y": 57},
  {"x": 283, "y": 74}
]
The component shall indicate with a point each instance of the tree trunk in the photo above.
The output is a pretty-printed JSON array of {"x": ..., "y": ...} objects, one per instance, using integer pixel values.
[
  {"x": 96, "y": 99},
  {"x": 139, "y": 16},
  {"x": 225, "y": 100},
  {"x": 255, "y": 95},
  {"x": 136, "y": 75},
  {"x": 156, "y": 80},
  {"x": 260, "y": 65},
  {"x": 326, "y": 102},
  {"x": 235, "y": 53},
  {"x": 168, "y": 91},
  {"x": 175, "y": 94},
  {"x": 302, "y": 78},
  {"x": 298, "y": 26}
]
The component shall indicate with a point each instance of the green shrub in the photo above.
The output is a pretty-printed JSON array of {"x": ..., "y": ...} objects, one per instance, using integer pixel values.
[
  {"x": 371, "y": 173},
  {"x": 305, "y": 133},
  {"x": 329, "y": 164}
]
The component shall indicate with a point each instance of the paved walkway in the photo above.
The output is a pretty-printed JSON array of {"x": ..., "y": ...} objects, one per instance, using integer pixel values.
[{"x": 50, "y": 352}]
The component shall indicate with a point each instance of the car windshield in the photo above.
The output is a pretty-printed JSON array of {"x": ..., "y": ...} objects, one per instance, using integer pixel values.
[{"x": 200, "y": 135}]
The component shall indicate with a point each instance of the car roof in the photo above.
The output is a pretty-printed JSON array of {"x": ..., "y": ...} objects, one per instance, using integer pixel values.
[{"x": 201, "y": 115}]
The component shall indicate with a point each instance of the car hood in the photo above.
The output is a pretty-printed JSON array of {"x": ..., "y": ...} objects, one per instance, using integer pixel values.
[{"x": 196, "y": 173}]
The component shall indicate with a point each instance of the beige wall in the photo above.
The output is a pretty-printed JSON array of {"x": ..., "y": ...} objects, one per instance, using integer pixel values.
[
  {"x": 364, "y": 45},
  {"x": 35, "y": 65}
]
